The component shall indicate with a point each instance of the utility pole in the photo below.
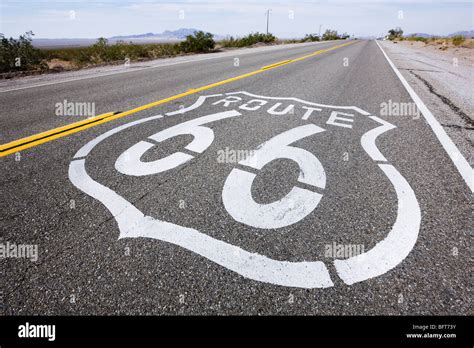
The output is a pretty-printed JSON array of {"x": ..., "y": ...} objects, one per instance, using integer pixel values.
[{"x": 268, "y": 18}]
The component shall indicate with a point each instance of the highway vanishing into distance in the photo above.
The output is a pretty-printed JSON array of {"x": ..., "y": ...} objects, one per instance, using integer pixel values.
[{"x": 270, "y": 182}]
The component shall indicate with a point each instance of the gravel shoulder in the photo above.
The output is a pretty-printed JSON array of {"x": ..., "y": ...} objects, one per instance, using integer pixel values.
[{"x": 444, "y": 80}]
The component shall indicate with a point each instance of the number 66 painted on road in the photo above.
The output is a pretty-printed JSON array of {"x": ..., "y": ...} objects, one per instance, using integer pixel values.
[
  {"x": 297, "y": 204},
  {"x": 236, "y": 194}
]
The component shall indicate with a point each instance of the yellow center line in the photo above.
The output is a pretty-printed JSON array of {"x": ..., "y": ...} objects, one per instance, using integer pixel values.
[
  {"x": 274, "y": 65},
  {"x": 40, "y": 138}
]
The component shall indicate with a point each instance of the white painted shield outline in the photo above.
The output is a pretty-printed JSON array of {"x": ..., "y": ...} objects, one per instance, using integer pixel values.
[{"x": 384, "y": 256}]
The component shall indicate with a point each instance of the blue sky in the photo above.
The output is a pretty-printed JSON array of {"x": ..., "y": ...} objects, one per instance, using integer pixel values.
[{"x": 95, "y": 18}]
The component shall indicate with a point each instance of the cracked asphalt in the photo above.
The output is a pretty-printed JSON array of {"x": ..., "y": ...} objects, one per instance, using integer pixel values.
[
  {"x": 84, "y": 267},
  {"x": 443, "y": 81}
]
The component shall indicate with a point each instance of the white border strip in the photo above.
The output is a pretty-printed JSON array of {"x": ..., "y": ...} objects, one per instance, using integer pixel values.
[
  {"x": 453, "y": 152},
  {"x": 196, "y": 104},
  {"x": 396, "y": 246}
]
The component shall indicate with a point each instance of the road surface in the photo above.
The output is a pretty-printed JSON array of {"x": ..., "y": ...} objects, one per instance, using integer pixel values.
[{"x": 286, "y": 190}]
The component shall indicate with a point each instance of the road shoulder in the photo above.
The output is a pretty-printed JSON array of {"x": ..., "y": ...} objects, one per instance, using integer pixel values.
[{"x": 444, "y": 83}]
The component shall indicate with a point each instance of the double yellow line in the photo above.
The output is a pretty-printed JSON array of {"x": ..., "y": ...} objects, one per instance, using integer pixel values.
[{"x": 40, "y": 138}]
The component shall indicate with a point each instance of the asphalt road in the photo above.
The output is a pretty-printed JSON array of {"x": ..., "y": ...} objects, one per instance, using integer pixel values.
[{"x": 150, "y": 219}]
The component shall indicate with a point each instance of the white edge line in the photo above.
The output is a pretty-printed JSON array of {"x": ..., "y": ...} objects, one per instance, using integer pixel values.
[{"x": 453, "y": 152}]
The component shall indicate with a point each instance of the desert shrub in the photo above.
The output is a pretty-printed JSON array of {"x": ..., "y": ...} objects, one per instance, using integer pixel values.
[
  {"x": 249, "y": 40},
  {"x": 311, "y": 38},
  {"x": 396, "y": 33},
  {"x": 19, "y": 54},
  {"x": 228, "y": 42},
  {"x": 417, "y": 38},
  {"x": 198, "y": 42},
  {"x": 330, "y": 35},
  {"x": 344, "y": 36},
  {"x": 253, "y": 38},
  {"x": 102, "y": 52},
  {"x": 458, "y": 39}
]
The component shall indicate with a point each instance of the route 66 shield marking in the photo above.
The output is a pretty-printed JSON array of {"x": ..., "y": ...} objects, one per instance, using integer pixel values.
[{"x": 237, "y": 197}]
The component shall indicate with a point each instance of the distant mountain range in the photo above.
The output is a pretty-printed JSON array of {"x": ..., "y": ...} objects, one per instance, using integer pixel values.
[
  {"x": 166, "y": 36},
  {"x": 419, "y": 35},
  {"x": 179, "y": 34},
  {"x": 465, "y": 33}
]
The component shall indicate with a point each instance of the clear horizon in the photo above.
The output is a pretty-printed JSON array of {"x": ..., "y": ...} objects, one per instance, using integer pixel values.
[{"x": 87, "y": 19}]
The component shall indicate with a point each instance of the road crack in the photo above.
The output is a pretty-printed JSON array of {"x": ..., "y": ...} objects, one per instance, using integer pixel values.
[
  {"x": 445, "y": 100},
  {"x": 456, "y": 126}
]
